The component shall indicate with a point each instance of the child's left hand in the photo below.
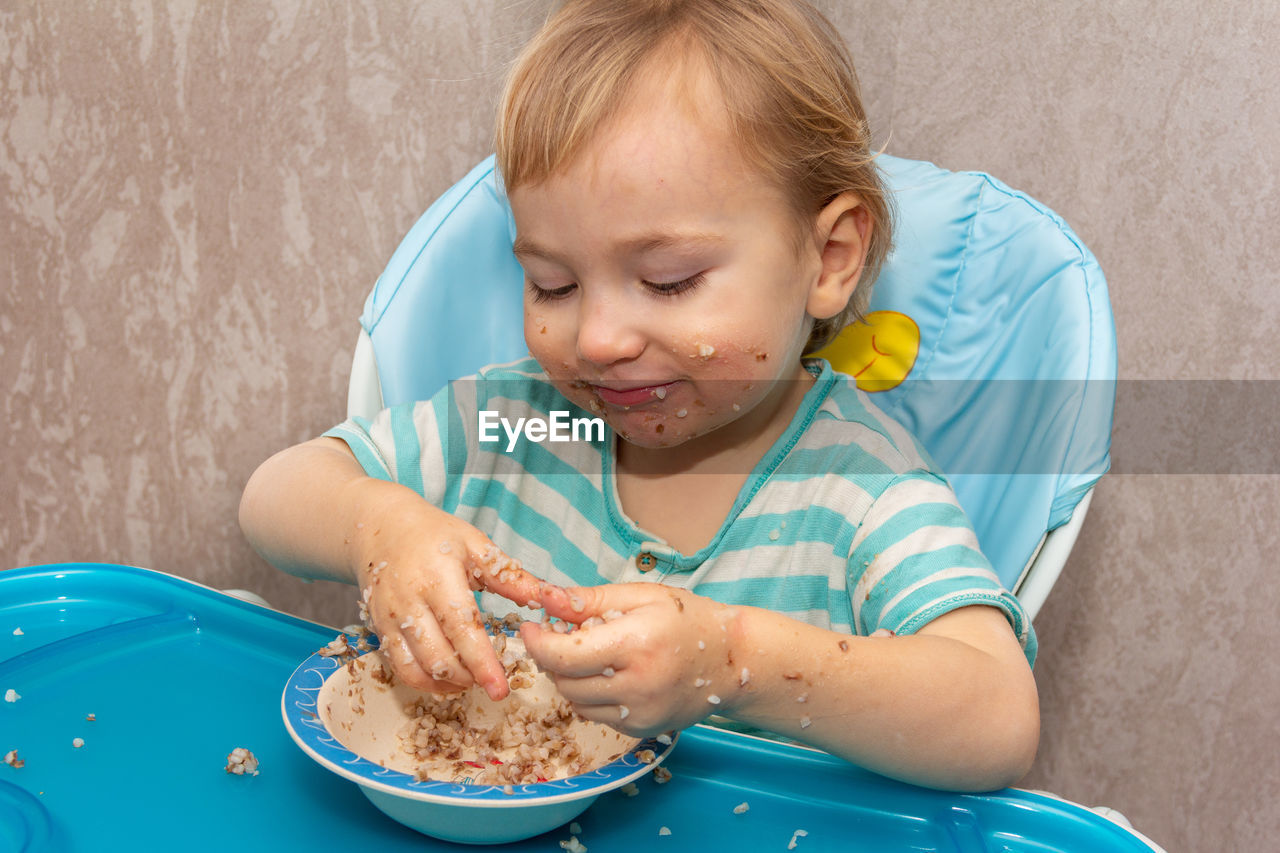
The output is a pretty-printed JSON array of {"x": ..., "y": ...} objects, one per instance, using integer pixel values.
[{"x": 662, "y": 659}]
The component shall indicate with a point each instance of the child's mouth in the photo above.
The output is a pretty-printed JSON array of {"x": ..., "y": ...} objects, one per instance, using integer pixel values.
[{"x": 632, "y": 396}]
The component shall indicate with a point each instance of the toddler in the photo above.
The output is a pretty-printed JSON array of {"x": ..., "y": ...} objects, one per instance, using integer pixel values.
[{"x": 696, "y": 209}]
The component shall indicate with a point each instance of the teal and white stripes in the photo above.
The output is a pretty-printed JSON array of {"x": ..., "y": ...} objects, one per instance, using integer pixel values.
[{"x": 847, "y": 526}]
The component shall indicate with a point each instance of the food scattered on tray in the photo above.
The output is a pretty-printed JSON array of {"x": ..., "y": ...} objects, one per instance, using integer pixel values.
[
  {"x": 12, "y": 695},
  {"x": 242, "y": 762},
  {"x": 11, "y": 758},
  {"x": 77, "y": 742}
]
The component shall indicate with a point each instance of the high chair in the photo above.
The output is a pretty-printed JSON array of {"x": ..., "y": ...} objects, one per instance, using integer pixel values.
[{"x": 989, "y": 336}]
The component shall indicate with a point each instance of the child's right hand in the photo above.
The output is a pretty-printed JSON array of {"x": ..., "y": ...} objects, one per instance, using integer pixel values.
[{"x": 416, "y": 568}]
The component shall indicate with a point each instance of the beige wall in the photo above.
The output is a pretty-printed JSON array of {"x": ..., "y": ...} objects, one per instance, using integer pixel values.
[{"x": 195, "y": 197}]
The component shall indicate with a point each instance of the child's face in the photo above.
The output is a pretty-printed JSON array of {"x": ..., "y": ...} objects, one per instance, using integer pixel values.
[{"x": 664, "y": 287}]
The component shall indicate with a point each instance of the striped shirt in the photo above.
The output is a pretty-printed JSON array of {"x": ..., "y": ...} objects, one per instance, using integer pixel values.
[{"x": 844, "y": 524}]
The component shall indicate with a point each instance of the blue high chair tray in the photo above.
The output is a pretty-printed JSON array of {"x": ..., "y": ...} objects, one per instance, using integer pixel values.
[{"x": 176, "y": 675}]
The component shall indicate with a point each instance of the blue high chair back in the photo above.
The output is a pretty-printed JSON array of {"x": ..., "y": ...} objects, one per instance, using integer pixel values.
[{"x": 989, "y": 336}]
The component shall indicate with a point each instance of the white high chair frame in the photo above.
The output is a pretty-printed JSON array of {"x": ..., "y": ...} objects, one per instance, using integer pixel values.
[{"x": 364, "y": 399}]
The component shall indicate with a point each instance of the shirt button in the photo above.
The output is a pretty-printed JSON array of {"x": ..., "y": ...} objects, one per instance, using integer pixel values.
[{"x": 645, "y": 561}]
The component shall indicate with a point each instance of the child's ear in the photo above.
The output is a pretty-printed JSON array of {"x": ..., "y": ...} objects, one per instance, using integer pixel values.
[{"x": 842, "y": 233}]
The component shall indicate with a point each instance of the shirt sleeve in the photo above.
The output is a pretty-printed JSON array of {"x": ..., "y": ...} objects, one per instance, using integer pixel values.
[
  {"x": 409, "y": 444},
  {"x": 915, "y": 557}
]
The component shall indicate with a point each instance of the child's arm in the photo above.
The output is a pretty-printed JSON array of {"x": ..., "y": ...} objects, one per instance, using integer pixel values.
[
  {"x": 953, "y": 706},
  {"x": 311, "y": 511}
]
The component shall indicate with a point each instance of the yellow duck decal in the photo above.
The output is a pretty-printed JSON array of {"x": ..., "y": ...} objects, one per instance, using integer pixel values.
[{"x": 879, "y": 351}]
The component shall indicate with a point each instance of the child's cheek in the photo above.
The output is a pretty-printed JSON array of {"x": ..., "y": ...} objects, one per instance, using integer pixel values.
[
  {"x": 535, "y": 330},
  {"x": 731, "y": 361},
  {"x": 544, "y": 345}
]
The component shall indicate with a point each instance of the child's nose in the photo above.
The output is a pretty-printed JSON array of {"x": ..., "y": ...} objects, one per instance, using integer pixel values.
[{"x": 608, "y": 331}]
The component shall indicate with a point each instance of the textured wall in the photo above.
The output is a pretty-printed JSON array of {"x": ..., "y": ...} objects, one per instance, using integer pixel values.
[{"x": 195, "y": 197}]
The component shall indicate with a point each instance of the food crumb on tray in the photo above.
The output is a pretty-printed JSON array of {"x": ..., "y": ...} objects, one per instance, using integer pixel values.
[
  {"x": 573, "y": 845},
  {"x": 242, "y": 762},
  {"x": 12, "y": 695},
  {"x": 662, "y": 830},
  {"x": 741, "y": 808},
  {"x": 799, "y": 833},
  {"x": 11, "y": 758}
]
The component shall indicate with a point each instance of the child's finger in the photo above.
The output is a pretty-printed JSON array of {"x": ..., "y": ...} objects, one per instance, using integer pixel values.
[
  {"x": 614, "y": 715},
  {"x": 465, "y": 630},
  {"x": 432, "y": 650},
  {"x": 453, "y": 633},
  {"x": 579, "y": 603},
  {"x": 588, "y": 690},
  {"x": 576, "y": 654},
  {"x": 519, "y": 586},
  {"x": 409, "y": 668},
  {"x": 495, "y": 572}
]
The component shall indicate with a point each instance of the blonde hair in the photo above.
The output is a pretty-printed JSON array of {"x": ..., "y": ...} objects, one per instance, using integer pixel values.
[{"x": 788, "y": 85}]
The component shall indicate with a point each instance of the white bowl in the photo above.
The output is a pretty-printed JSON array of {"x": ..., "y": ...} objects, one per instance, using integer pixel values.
[{"x": 349, "y": 723}]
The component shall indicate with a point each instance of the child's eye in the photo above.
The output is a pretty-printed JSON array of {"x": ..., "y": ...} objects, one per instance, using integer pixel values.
[
  {"x": 546, "y": 294},
  {"x": 671, "y": 288}
]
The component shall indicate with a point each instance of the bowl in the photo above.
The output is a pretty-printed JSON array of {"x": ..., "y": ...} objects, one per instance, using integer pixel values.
[{"x": 347, "y": 715}]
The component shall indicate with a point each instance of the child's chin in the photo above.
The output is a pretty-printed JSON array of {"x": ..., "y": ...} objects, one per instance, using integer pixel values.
[
  {"x": 653, "y": 433},
  {"x": 650, "y": 441}
]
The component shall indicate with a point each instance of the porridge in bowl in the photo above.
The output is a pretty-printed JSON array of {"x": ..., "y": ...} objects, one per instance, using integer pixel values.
[
  {"x": 532, "y": 736},
  {"x": 460, "y": 767}
]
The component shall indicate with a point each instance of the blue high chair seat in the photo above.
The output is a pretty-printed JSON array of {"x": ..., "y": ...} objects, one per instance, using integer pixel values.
[{"x": 989, "y": 336}]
